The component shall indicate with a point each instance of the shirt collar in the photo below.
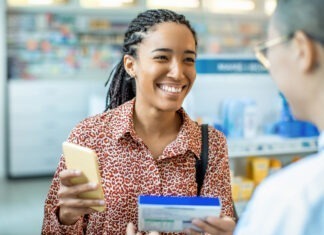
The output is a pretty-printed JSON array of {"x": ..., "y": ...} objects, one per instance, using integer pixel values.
[
  {"x": 121, "y": 121},
  {"x": 189, "y": 137}
]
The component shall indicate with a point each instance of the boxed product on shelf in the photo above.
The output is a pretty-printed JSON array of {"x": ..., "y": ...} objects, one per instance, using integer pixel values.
[
  {"x": 274, "y": 166},
  {"x": 242, "y": 188},
  {"x": 257, "y": 168}
]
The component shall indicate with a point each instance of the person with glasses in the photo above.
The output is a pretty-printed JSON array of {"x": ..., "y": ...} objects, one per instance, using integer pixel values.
[{"x": 292, "y": 201}]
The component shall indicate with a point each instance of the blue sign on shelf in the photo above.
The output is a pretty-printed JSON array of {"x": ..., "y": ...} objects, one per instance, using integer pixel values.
[{"x": 227, "y": 66}]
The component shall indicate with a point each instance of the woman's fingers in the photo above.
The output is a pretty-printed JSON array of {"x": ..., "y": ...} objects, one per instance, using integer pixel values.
[
  {"x": 75, "y": 190},
  {"x": 80, "y": 202},
  {"x": 131, "y": 230},
  {"x": 66, "y": 176},
  {"x": 225, "y": 223},
  {"x": 71, "y": 205},
  {"x": 214, "y": 226}
]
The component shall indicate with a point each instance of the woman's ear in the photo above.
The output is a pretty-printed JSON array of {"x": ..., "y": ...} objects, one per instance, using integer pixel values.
[
  {"x": 305, "y": 49},
  {"x": 129, "y": 64}
]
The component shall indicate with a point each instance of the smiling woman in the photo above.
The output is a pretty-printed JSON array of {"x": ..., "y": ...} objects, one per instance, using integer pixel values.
[
  {"x": 145, "y": 37},
  {"x": 145, "y": 141},
  {"x": 164, "y": 67}
]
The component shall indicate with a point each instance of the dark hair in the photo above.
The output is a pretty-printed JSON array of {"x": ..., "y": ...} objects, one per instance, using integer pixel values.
[
  {"x": 304, "y": 15},
  {"x": 121, "y": 85}
]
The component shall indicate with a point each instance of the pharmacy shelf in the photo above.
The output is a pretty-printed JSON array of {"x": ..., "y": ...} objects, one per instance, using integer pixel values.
[
  {"x": 127, "y": 13},
  {"x": 271, "y": 145}
]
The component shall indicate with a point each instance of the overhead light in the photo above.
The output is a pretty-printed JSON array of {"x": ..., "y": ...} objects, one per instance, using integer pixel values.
[
  {"x": 173, "y": 3},
  {"x": 40, "y": 2},
  {"x": 230, "y": 5},
  {"x": 35, "y": 2},
  {"x": 269, "y": 6},
  {"x": 104, "y": 3}
]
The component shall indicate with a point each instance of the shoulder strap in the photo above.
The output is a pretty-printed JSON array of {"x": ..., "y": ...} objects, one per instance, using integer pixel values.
[{"x": 201, "y": 165}]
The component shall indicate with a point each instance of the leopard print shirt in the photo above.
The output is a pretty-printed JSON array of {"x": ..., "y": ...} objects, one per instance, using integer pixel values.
[{"x": 128, "y": 170}]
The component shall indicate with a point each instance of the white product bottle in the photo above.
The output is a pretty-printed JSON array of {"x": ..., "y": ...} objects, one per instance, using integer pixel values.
[{"x": 250, "y": 119}]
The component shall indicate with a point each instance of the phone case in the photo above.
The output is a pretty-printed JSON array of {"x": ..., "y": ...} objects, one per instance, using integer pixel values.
[{"x": 85, "y": 160}]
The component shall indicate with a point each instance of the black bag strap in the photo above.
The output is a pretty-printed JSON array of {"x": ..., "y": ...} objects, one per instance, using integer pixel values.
[{"x": 202, "y": 163}]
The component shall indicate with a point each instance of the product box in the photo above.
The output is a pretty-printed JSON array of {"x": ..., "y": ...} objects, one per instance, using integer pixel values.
[
  {"x": 174, "y": 214},
  {"x": 258, "y": 168}
]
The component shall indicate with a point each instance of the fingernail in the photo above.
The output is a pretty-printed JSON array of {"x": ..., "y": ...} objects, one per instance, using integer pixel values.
[
  {"x": 77, "y": 172},
  {"x": 93, "y": 185},
  {"x": 101, "y": 202}
]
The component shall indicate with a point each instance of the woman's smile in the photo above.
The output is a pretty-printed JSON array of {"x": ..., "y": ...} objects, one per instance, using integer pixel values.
[{"x": 174, "y": 89}]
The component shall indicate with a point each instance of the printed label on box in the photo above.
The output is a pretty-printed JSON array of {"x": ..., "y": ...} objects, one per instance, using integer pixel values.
[{"x": 174, "y": 214}]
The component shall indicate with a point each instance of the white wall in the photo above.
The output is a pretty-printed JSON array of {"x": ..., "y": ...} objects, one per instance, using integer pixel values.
[{"x": 2, "y": 86}]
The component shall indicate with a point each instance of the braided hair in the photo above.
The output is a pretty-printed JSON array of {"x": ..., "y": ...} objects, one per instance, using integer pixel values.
[{"x": 121, "y": 86}]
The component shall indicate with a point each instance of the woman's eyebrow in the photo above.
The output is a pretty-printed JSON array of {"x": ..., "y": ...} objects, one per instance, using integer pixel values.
[
  {"x": 162, "y": 49},
  {"x": 170, "y": 50},
  {"x": 190, "y": 52}
]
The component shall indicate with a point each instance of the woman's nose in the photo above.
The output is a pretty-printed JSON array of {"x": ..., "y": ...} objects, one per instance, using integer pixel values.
[{"x": 176, "y": 70}]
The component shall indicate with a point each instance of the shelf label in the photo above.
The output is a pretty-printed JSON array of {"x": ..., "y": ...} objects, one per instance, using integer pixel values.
[{"x": 227, "y": 66}]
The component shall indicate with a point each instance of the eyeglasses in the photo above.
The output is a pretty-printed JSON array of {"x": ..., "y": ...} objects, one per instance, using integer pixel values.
[{"x": 261, "y": 49}]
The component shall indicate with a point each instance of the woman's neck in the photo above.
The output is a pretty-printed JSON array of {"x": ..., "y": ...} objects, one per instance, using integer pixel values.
[{"x": 155, "y": 123}]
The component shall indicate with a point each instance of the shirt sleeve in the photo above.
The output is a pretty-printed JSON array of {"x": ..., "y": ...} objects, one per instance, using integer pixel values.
[
  {"x": 51, "y": 223},
  {"x": 272, "y": 211},
  {"x": 217, "y": 180}
]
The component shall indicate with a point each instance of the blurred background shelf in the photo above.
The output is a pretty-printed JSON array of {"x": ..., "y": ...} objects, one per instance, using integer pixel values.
[{"x": 270, "y": 146}]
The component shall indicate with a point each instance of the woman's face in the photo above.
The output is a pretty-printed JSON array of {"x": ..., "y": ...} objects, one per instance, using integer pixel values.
[
  {"x": 286, "y": 74},
  {"x": 164, "y": 68}
]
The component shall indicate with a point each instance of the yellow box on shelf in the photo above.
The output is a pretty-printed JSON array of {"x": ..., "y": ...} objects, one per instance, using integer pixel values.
[
  {"x": 242, "y": 188},
  {"x": 235, "y": 189},
  {"x": 257, "y": 168},
  {"x": 246, "y": 189},
  {"x": 275, "y": 165}
]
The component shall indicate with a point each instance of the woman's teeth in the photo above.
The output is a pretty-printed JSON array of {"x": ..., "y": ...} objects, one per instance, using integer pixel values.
[{"x": 171, "y": 89}]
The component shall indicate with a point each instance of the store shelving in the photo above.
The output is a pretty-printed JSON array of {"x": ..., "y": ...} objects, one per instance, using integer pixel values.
[
  {"x": 285, "y": 150},
  {"x": 270, "y": 146},
  {"x": 102, "y": 34}
]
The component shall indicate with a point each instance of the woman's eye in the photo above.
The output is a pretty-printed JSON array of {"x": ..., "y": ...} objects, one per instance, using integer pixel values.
[
  {"x": 161, "y": 57},
  {"x": 191, "y": 60}
]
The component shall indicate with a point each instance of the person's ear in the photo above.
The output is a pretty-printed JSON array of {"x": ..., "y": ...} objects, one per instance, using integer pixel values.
[
  {"x": 305, "y": 51},
  {"x": 129, "y": 64}
]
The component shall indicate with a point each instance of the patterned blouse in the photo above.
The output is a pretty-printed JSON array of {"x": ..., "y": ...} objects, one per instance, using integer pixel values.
[{"x": 128, "y": 169}]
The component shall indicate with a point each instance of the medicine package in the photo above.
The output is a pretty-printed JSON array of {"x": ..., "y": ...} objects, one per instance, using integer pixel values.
[{"x": 174, "y": 214}]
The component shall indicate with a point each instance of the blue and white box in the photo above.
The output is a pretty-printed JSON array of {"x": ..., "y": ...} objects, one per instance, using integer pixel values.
[{"x": 174, "y": 214}]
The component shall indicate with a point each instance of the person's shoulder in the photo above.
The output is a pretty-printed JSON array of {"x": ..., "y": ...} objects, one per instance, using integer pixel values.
[
  {"x": 295, "y": 191},
  {"x": 91, "y": 127},
  {"x": 216, "y": 136},
  {"x": 298, "y": 177},
  {"x": 213, "y": 132},
  {"x": 95, "y": 121},
  {"x": 217, "y": 142}
]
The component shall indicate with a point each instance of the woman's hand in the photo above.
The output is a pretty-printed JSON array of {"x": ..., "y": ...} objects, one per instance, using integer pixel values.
[
  {"x": 71, "y": 206},
  {"x": 131, "y": 230},
  {"x": 214, "y": 226}
]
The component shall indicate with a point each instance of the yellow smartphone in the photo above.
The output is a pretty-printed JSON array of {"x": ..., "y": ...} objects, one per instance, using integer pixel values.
[{"x": 84, "y": 159}]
